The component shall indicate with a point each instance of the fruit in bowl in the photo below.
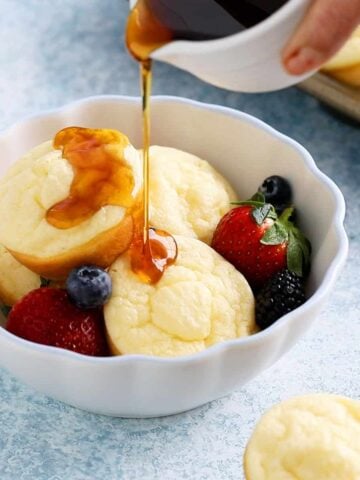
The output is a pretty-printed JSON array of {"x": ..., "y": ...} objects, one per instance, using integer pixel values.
[
  {"x": 245, "y": 151},
  {"x": 82, "y": 193},
  {"x": 83, "y": 204}
]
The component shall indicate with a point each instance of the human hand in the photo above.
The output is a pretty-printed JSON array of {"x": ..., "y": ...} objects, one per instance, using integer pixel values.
[{"x": 325, "y": 28}]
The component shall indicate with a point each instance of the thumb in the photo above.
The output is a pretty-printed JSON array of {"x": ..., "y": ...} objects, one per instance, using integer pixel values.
[{"x": 325, "y": 28}]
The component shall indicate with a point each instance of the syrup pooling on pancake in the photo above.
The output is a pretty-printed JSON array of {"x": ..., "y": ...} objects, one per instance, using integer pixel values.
[
  {"x": 149, "y": 259},
  {"x": 102, "y": 177},
  {"x": 34, "y": 184}
]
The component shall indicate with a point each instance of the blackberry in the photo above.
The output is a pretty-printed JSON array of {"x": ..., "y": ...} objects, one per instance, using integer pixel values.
[
  {"x": 280, "y": 295},
  {"x": 276, "y": 191}
]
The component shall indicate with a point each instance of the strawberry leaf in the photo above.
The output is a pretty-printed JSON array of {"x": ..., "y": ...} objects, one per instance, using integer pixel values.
[
  {"x": 275, "y": 235},
  {"x": 299, "y": 247},
  {"x": 258, "y": 197},
  {"x": 295, "y": 258},
  {"x": 44, "y": 282},
  {"x": 5, "y": 310},
  {"x": 298, "y": 253},
  {"x": 272, "y": 213},
  {"x": 257, "y": 200},
  {"x": 261, "y": 209},
  {"x": 260, "y": 213},
  {"x": 252, "y": 203},
  {"x": 286, "y": 215}
]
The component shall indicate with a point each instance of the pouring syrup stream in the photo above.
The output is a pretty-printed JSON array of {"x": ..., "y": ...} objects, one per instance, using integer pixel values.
[
  {"x": 146, "y": 80},
  {"x": 152, "y": 250}
]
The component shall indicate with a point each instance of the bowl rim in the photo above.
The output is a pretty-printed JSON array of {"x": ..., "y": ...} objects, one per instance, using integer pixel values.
[{"x": 317, "y": 297}]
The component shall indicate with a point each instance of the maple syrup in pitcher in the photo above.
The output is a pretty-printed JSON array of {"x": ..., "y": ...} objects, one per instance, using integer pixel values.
[{"x": 152, "y": 24}]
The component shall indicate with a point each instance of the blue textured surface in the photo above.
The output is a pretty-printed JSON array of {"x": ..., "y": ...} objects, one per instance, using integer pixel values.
[{"x": 55, "y": 51}]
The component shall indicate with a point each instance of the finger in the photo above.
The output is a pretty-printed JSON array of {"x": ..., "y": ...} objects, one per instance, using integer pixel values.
[{"x": 326, "y": 27}]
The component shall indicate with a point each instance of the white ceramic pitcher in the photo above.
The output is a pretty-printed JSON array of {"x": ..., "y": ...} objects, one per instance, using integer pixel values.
[{"x": 249, "y": 61}]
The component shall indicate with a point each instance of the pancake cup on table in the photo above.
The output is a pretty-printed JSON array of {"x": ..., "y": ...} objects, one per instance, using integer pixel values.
[{"x": 313, "y": 437}]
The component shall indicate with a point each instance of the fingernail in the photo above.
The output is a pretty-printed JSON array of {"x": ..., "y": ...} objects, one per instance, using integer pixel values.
[{"x": 303, "y": 60}]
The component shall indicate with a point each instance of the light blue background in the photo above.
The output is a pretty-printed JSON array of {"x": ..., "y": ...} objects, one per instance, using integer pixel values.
[{"x": 55, "y": 51}]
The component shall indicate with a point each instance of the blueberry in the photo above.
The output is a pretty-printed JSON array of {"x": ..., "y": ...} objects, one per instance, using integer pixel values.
[
  {"x": 89, "y": 286},
  {"x": 277, "y": 191}
]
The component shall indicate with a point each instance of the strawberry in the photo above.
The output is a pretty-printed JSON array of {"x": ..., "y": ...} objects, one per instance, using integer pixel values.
[
  {"x": 47, "y": 316},
  {"x": 259, "y": 243}
]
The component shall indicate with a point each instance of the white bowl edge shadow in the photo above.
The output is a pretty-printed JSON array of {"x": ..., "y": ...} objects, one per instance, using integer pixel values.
[{"x": 317, "y": 298}]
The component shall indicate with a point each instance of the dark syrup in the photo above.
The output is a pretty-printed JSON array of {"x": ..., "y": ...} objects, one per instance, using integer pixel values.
[{"x": 210, "y": 19}]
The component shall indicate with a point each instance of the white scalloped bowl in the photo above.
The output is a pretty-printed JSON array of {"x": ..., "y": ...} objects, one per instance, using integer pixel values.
[{"x": 246, "y": 151}]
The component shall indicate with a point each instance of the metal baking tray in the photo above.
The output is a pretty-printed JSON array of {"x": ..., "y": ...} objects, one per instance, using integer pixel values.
[{"x": 343, "y": 98}]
